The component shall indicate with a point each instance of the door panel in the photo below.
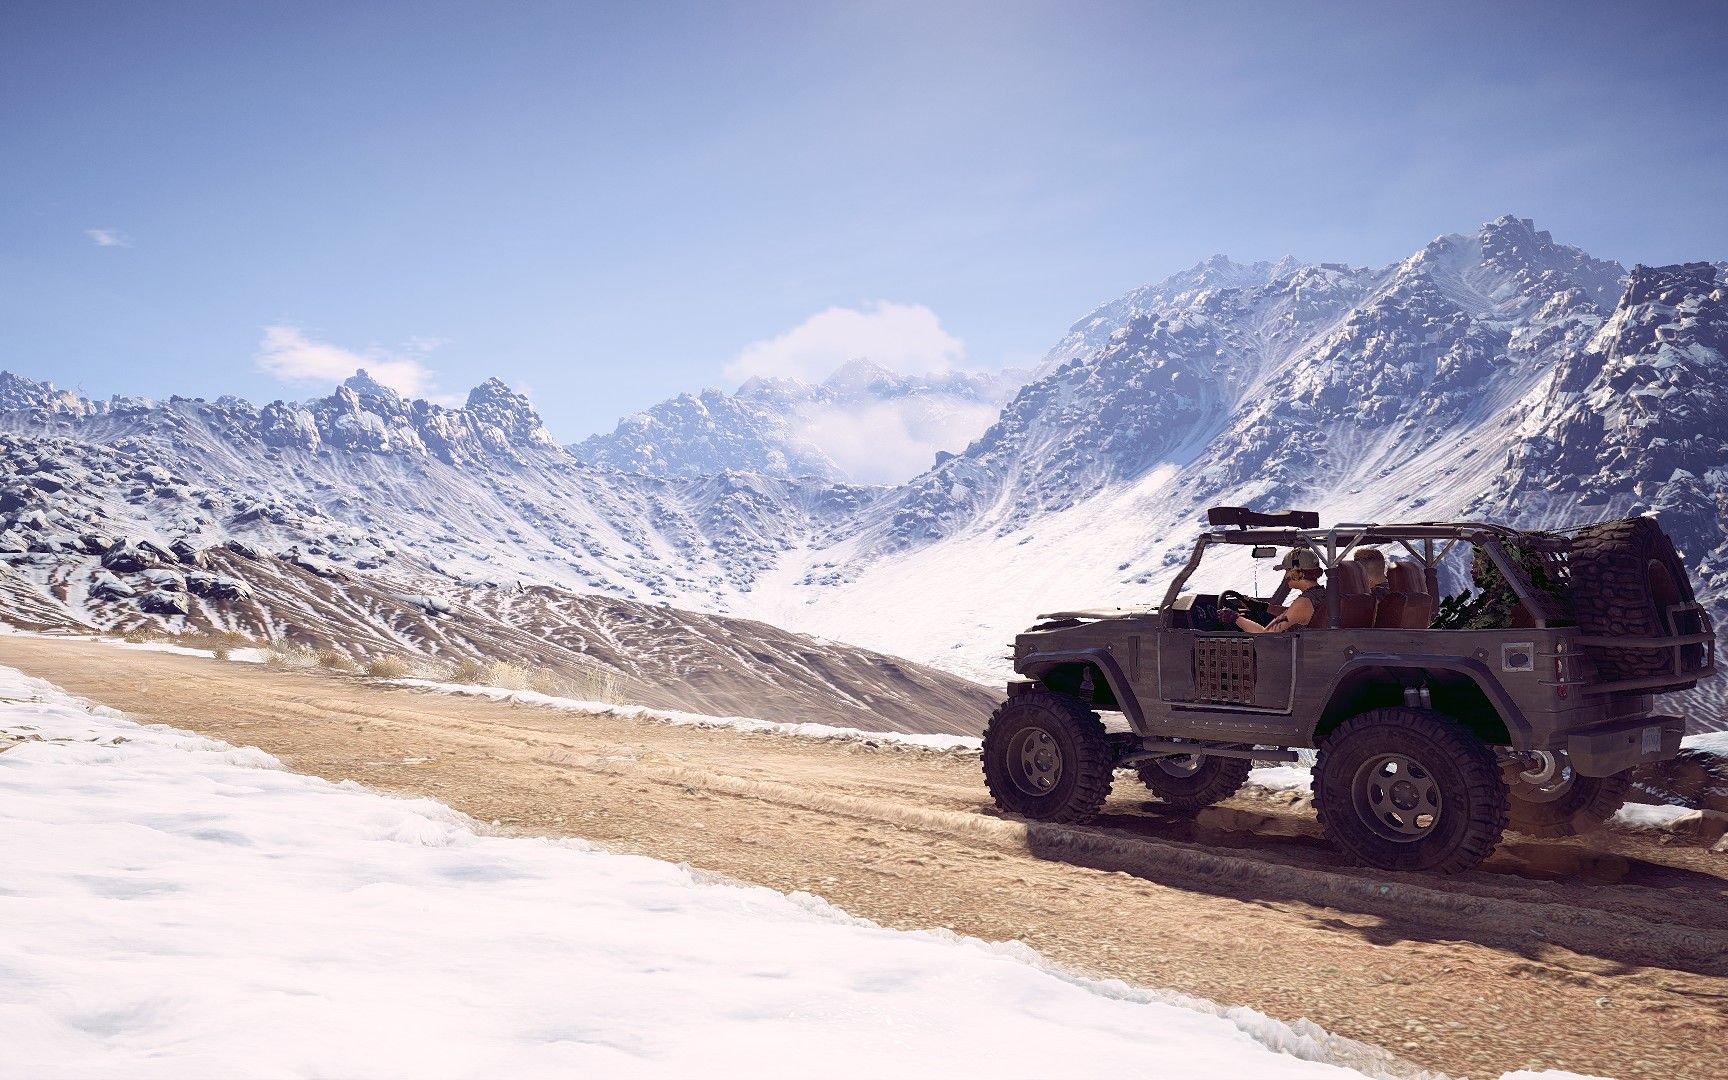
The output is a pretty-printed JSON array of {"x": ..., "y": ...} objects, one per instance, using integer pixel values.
[{"x": 1229, "y": 671}]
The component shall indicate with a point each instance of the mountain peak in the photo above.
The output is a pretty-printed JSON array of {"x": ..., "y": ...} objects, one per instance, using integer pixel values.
[
  {"x": 496, "y": 393},
  {"x": 22, "y": 392},
  {"x": 859, "y": 371},
  {"x": 1511, "y": 230},
  {"x": 365, "y": 386}
]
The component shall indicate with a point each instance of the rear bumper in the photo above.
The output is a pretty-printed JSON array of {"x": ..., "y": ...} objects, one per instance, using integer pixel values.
[{"x": 1612, "y": 748}]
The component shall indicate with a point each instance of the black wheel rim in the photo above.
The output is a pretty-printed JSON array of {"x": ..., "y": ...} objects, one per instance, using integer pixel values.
[
  {"x": 1397, "y": 798},
  {"x": 1034, "y": 762}
]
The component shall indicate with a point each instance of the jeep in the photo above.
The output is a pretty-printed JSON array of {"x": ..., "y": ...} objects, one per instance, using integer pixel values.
[{"x": 1434, "y": 732}]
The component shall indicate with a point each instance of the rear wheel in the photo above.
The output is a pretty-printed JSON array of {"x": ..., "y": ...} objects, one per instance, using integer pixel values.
[
  {"x": 1046, "y": 757},
  {"x": 1191, "y": 781},
  {"x": 1547, "y": 799},
  {"x": 1409, "y": 789}
]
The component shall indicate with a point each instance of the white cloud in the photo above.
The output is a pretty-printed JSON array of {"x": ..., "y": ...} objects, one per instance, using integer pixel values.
[
  {"x": 288, "y": 354},
  {"x": 902, "y": 337},
  {"x": 108, "y": 237},
  {"x": 889, "y": 442}
]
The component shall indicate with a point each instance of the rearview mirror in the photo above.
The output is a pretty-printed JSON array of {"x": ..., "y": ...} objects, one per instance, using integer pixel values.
[{"x": 1265, "y": 553}]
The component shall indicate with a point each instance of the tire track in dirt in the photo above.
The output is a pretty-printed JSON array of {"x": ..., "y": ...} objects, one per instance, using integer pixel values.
[{"x": 1616, "y": 980}]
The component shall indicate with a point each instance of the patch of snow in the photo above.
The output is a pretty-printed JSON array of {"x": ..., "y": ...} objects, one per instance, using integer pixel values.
[
  {"x": 176, "y": 906},
  {"x": 1649, "y": 816},
  {"x": 1283, "y": 778},
  {"x": 1714, "y": 741}
]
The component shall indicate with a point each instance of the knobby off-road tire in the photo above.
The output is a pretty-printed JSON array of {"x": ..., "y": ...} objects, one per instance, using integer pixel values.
[
  {"x": 1549, "y": 800},
  {"x": 1046, "y": 758},
  {"x": 1409, "y": 789},
  {"x": 1189, "y": 782},
  {"x": 1625, "y": 575}
]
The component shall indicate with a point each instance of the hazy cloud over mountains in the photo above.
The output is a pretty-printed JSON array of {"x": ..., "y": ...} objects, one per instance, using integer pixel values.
[
  {"x": 906, "y": 338},
  {"x": 286, "y": 353}
]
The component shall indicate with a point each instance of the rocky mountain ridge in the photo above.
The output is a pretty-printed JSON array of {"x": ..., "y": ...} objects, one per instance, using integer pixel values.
[{"x": 1492, "y": 374}]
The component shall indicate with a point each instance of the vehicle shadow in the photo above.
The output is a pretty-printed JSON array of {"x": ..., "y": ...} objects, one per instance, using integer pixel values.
[{"x": 1581, "y": 894}]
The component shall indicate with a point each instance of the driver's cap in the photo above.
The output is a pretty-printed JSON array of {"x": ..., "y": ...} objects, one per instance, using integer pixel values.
[{"x": 1299, "y": 559}]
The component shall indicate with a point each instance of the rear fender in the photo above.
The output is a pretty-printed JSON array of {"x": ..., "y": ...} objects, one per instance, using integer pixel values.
[{"x": 1378, "y": 681}]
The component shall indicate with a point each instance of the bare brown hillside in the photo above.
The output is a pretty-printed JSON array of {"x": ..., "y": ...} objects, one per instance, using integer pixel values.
[{"x": 659, "y": 656}]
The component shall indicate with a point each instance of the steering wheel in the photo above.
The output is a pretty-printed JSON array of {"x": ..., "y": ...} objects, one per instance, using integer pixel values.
[{"x": 1230, "y": 598}]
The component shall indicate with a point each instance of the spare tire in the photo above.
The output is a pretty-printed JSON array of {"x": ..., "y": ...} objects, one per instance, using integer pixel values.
[{"x": 1625, "y": 577}]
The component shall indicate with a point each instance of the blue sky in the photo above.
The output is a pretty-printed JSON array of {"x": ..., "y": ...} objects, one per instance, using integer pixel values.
[{"x": 610, "y": 203}]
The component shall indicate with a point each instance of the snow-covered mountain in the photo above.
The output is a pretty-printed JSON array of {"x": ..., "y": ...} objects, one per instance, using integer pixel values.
[
  {"x": 863, "y": 423},
  {"x": 366, "y": 524},
  {"x": 1496, "y": 373}
]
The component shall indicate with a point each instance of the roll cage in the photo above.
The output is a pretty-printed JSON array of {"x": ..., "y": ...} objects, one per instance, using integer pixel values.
[{"x": 1425, "y": 542}]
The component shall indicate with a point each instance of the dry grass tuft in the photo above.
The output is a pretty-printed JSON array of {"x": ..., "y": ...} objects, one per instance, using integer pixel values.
[
  {"x": 220, "y": 643},
  {"x": 292, "y": 657},
  {"x": 588, "y": 683},
  {"x": 331, "y": 660},
  {"x": 387, "y": 667},
  {"x": 595, "y": 683},
  {"x": 585, "y": 683},
  {"x": 472, "y": 672}
]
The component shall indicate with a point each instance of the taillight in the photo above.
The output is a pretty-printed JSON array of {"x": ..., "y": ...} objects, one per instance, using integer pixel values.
[{"x": 1560, "y": 671}]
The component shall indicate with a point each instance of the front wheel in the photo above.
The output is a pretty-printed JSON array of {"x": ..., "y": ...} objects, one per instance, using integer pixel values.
[
  {"x": 1046, "y": 758},
  {"x": 1548, "y": 799},
  {"x": 1409, "y": 789}
]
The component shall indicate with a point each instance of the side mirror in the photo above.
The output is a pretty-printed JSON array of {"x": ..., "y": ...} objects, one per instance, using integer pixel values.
[{"x": 1265, "y": 553}]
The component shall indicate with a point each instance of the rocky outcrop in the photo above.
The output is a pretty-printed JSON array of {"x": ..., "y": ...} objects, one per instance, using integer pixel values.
[
  {"x": 162, "y": 602},
  {"x": 1633, "y": 422}
]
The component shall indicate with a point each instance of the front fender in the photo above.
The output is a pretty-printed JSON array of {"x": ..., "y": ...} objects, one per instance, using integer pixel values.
[{"x": 1036, "y": 665}]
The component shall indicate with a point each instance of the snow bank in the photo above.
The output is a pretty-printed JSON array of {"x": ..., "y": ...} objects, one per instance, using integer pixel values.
[
  {"x": 241, "y": 655},
  {"x": 666, "y": 716},
  {"x": 1714, "y": 741},
  {"x": 179, "y": 907}
]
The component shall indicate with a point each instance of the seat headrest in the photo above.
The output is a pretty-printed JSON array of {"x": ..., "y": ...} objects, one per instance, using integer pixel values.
[
  {"x": 1406, "y": 577},
  {"x": 1348, "y": 577}
]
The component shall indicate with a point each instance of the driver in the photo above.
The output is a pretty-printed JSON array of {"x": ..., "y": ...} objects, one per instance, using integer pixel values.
[{"x": 1302, "y": 573}]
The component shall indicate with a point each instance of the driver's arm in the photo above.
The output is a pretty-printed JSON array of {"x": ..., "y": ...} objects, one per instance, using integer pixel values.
[
  {"x": 1296, "y": 615},
  {"x": 1249, "y": 626}
]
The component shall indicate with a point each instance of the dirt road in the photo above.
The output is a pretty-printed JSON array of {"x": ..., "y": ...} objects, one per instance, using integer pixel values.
[{"x": 1604, "y": 956}]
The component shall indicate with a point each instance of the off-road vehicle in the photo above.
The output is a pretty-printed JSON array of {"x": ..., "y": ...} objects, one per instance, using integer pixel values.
[{"x": 1432, "y": 739}]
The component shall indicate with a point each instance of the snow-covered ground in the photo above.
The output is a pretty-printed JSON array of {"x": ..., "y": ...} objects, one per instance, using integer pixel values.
[{"x": 175, "y": 906}]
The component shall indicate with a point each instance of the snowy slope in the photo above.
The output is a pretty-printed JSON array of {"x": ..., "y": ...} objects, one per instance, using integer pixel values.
[{"x": 176, "y": 906}]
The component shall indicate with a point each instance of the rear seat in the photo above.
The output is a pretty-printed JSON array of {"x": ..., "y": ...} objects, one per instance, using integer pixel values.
[
  {"x": 1389, "y": 613},
  {"x": 1408, "y": 583}
]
